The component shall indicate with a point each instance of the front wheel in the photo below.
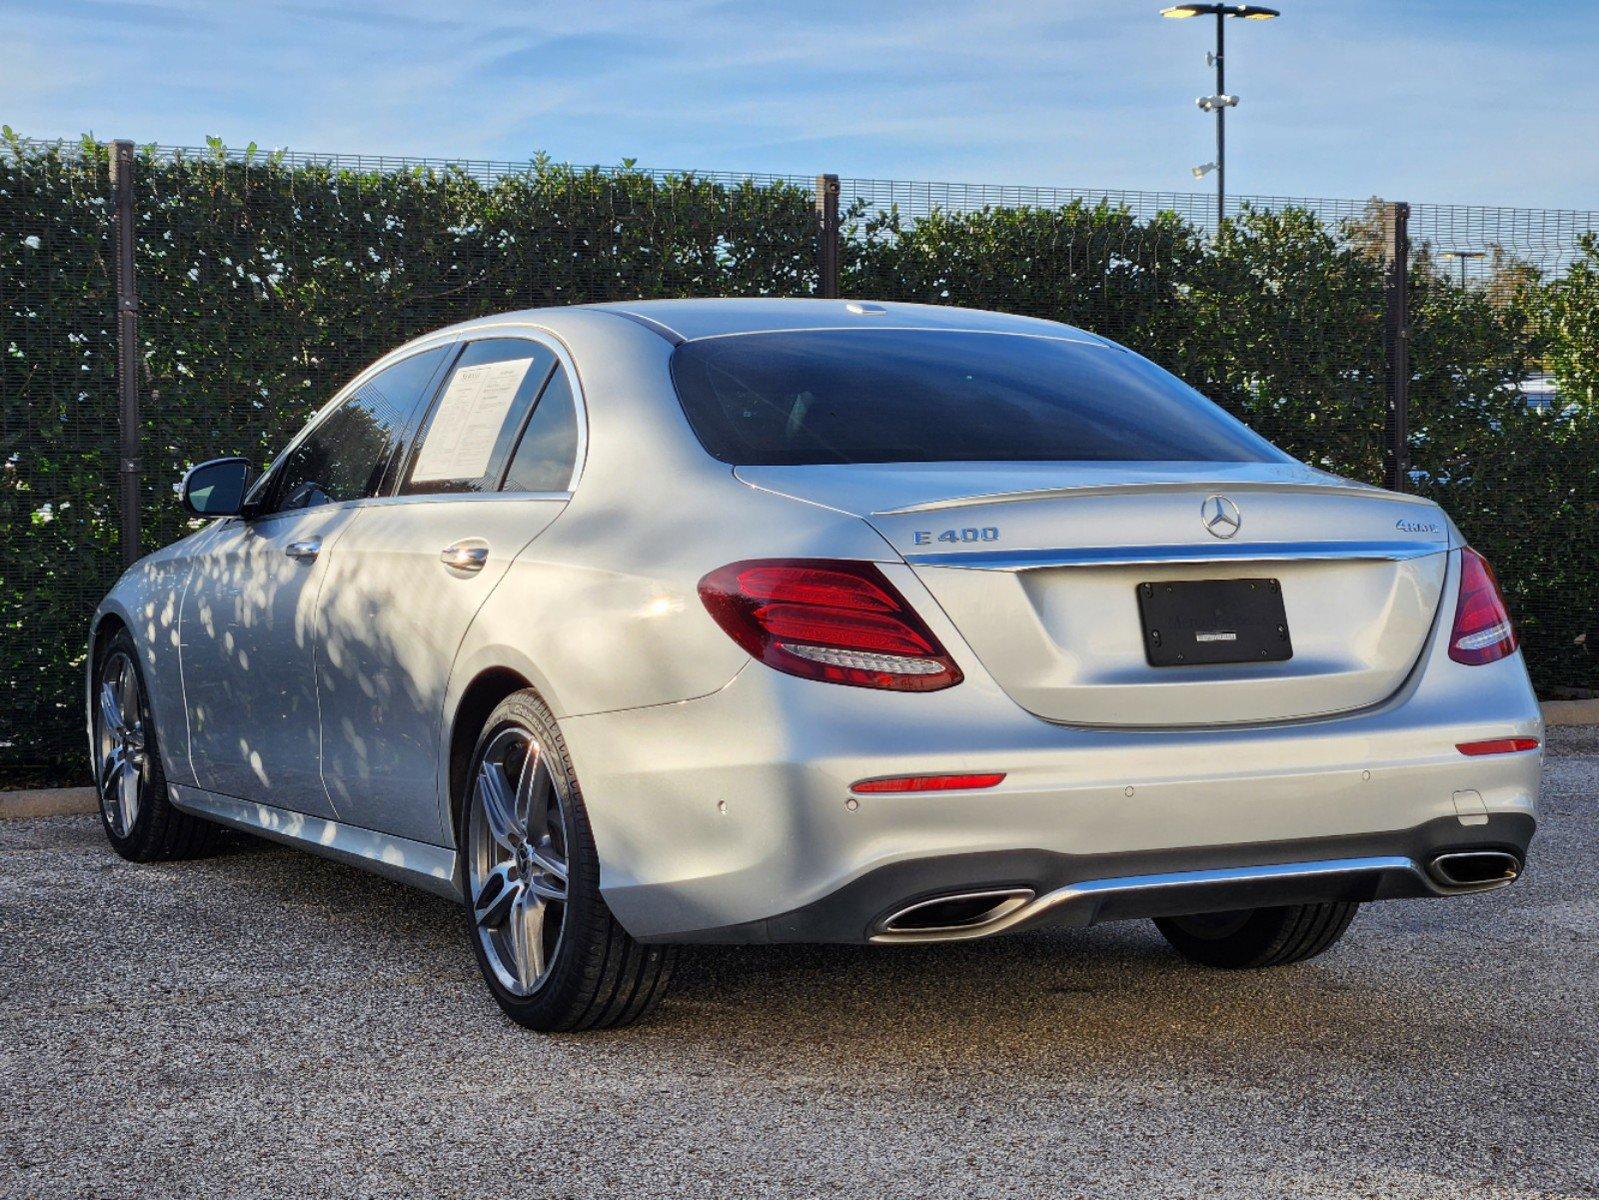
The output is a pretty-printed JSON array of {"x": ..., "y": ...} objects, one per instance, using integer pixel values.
[
  {"x": 1258, "y": 937},
  {"x": 140, "y": 822},
  {"x": 548, "y": 947}
]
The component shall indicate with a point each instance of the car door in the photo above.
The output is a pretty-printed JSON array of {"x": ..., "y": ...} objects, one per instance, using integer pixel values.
[
  {"x": 248, "y": 617},
  {"x": 493, "y": 466}
]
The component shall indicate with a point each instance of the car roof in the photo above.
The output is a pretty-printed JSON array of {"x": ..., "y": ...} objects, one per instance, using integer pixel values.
[
  {"x": 687, "y": 320},
  {"x": 691, "y": 319}
]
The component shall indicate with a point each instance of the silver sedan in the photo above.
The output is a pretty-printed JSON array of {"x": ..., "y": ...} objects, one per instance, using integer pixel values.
[{"x": 634, "y": 625}]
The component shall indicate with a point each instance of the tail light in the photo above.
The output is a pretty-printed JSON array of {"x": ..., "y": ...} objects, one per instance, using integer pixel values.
[
  {"x": 1482, "y": 632},
  {"x": 837, "y": 621}
]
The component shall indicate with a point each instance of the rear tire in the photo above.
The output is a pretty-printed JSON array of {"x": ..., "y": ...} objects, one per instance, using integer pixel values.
[
  {"x": 140, "y": 822},
  {"x": 1258, "y": 937},
  {"x": 550, "y": 951}
]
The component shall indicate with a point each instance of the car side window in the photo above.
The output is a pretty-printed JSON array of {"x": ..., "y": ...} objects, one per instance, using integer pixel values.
[
  {"x": 475, "y": 422},
  {"x": 349, "y": 453},
  {"x": 547, "y": 454}
]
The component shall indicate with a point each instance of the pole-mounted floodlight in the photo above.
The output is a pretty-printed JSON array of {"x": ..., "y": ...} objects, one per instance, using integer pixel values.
[
  {"x": 1203, "y": 169},
  {"x": 1221, "y": 101},
  {"x": 1463, "y": 256},
  {"x": 1249, "y": 12}
]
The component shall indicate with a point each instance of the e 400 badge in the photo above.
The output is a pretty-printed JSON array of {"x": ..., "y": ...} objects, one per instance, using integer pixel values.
[{"x": 926, "y": 537}]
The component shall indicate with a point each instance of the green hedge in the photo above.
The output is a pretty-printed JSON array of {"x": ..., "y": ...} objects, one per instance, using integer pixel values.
[{"x": 265, "y": 282}]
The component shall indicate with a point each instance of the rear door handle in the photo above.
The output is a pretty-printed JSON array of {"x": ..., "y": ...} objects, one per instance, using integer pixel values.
[
  {"x": 467, "y": 555},
  {"x": 306, "y": 550}
]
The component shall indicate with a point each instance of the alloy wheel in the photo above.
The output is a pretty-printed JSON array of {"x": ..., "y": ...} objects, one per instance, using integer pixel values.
[
  {"x": 517, "y": 866},
  {"x": 120, "y": 741}
]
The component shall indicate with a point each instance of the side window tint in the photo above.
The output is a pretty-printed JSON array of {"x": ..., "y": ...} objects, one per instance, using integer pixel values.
[
  {"x": 548, "y": 450},
  {"x": 347, "y": 455},
  {"x": 474, "y": 424}
]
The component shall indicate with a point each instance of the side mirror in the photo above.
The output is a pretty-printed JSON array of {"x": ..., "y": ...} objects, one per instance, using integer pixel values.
[{"x": 216, "y": 488}]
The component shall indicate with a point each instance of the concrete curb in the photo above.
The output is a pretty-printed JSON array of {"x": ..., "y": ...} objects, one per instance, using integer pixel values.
[
  {"x": 48, "y": 802},
  {"x": 1571, "y": 712}
]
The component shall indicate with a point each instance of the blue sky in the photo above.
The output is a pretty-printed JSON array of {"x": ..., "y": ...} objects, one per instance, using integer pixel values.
[{"x": 1410, "y": 99}]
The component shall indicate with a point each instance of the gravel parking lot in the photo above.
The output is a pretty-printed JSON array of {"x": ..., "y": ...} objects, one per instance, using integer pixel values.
[{"x": 265, "y": 1023}]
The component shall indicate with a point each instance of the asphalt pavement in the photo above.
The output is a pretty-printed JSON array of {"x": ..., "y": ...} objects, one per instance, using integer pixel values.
[{"x": 264, "y": 1023}]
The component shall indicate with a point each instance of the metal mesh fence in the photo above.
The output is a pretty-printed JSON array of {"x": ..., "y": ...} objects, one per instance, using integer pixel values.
[
  {"x": 916, "y": 199},
  {"x": 266, "y": 280}
]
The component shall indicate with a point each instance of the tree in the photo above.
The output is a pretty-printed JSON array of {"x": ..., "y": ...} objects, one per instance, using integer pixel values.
[
  {"x": 1282, "y": 324},
  {"x": 1571, "y": 325}
]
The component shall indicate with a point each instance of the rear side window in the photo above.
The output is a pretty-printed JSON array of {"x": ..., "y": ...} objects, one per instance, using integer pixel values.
[
  {"x": 547, "y": 454},
  {"x": 349, "y": 453},
  {"x": 478, "y": 417},
  {"x": 859, "y": 396}
]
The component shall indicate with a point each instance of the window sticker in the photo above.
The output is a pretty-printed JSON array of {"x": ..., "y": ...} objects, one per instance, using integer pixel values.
[{"x": 467, "y": 424}]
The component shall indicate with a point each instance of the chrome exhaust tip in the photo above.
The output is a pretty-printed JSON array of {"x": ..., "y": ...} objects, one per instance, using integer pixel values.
[
  {"x": 956, "y": 912},
  {"x": 1474, "y": 870}
]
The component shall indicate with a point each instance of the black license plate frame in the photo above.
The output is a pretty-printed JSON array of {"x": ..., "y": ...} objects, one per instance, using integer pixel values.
[{"x": 1213, "y": 622}]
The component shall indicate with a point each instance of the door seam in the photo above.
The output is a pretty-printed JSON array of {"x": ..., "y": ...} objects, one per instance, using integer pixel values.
[{"x": 316, "y": 657}]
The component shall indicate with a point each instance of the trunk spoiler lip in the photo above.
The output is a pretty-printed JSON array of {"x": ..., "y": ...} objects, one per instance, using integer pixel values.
[
  {"x": 1136, "y": 487},
  {"x": 1105, "y": 556}
]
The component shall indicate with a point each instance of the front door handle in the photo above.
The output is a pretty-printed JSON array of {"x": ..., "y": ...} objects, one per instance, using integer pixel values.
[
  {"x": 304, "y": 551},
  {"x": 467, "y": 555}
]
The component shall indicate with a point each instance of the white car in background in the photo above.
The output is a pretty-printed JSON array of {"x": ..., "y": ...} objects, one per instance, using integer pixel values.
[{"x": 632, "y": 625}]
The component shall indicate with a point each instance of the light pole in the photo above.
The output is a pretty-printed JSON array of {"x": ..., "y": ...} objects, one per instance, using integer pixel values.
[
  {"x": 1462, "y": 256},
  {"x": 1221, "y": 101}
]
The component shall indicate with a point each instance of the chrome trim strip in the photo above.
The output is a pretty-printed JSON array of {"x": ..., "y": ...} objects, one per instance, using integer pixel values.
[
  {"x": 1139, "y": 487},
  {"x": 419, "y": 864},
  {"x": 454, "y": 498},
  {"x": 1089, "y": 893},
  {"x": 1107, "y": 556}
]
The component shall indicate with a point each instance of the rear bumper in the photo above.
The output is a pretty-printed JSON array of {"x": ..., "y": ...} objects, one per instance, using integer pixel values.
[
  {"x": 730, "y": 817},
  {"x": 1081, "y": 890}
]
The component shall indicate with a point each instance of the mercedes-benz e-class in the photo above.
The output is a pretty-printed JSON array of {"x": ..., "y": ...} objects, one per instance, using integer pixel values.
[{"x": 633, "y": 625}]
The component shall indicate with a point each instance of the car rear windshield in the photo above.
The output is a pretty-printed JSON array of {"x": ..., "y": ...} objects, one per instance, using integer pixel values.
[{"x": 871, "y": 396}]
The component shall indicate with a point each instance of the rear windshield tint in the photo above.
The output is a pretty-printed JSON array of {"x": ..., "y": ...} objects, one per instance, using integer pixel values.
[{"x": 861, "y": 396}]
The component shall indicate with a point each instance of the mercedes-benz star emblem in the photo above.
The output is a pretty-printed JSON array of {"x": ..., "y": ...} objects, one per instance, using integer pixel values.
[{"x": 1221, "y": 516}]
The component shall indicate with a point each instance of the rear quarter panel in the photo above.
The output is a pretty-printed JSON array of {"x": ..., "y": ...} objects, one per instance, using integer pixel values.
[{"x": 601, "y": 610}]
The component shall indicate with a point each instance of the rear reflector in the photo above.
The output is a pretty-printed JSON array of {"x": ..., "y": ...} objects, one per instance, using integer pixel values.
[
  {"x": 1482, "y": 632},
  {"x": 926, "y": 783},
  {"x": 838, "y": 621},
  {"x": 1497, "y": 746}
]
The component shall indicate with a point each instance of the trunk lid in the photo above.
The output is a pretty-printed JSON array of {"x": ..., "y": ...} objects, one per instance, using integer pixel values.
[{"x": 1038, "y": 566}]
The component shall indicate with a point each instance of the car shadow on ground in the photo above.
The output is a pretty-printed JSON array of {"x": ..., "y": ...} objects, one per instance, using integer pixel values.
[{"x": 1116, "y": 992}]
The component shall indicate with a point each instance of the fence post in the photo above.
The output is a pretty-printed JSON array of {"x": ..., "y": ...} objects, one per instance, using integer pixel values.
[
  {"x": 1396, "y": 342},
  {"x": 827, "y": 236},
  {"x": 127, "y": 352}
]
